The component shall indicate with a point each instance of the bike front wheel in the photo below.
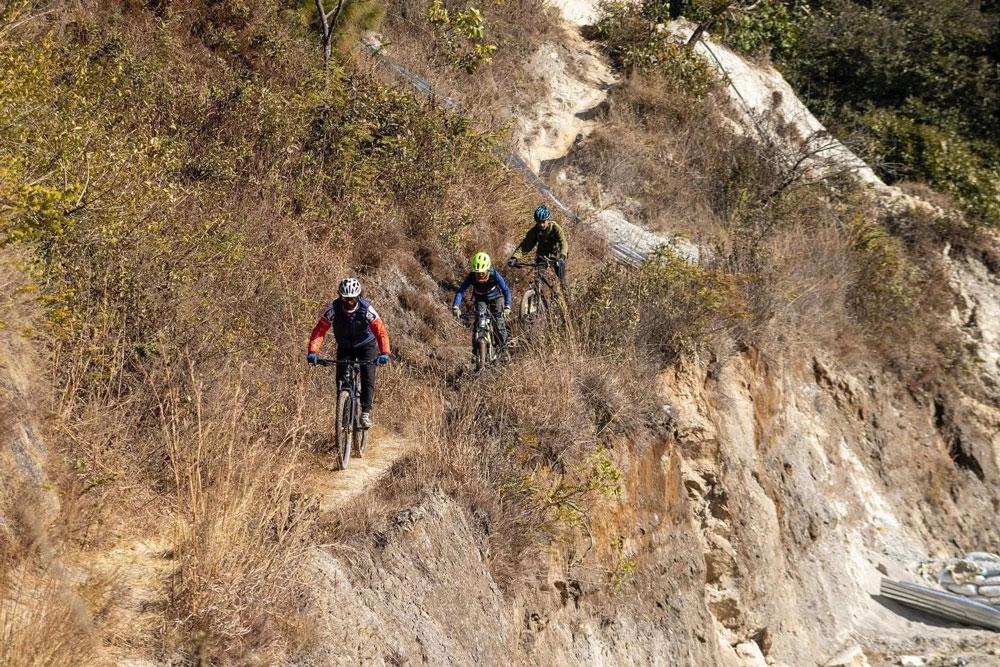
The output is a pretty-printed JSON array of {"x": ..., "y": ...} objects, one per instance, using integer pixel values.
[
  {"x": 344, "y": 429},
  {"x": 482, "y": 353}
]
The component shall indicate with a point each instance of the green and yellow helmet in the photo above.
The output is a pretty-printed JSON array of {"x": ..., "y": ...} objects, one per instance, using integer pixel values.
[{"x": 480, "y": 263}]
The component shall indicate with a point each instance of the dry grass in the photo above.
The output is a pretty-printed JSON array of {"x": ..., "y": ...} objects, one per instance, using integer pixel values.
[
  {"x": 43, "y": 611},
  {"x": 242, "y": 525},
  {"x": 518, "y": 27},
  {"x": 43, "y": 619},
  {"x": 516, "y": 447}
]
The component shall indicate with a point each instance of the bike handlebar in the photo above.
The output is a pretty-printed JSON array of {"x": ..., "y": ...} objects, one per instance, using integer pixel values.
[
  {"x": 344, "y": 362},
  {"x": 472, "y": 314},
  {"x": 534, "y": 265}
]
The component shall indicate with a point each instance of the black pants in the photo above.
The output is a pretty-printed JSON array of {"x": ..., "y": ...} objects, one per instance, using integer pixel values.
[
  {"x": 367, "y": 352},
  {"x": 496, "y": 307},
  {"x": 559, "y": 266}
]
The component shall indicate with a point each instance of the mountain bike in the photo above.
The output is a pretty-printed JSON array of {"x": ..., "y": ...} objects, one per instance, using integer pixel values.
[
  {"x": 486, "y": 343},
  {"x": 535, "y": 300},
  {"x": 347, "y": 431}
]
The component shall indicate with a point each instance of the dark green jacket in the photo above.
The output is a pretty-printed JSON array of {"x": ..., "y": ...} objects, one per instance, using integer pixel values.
[{"x": 551, "y": 243}]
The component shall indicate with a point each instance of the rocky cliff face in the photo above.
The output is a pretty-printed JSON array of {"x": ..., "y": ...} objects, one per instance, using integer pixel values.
[
  {"x": 755, "y": 522},
  {"x": 22, "y": 454},
  {"x": 759, "y": 520}
]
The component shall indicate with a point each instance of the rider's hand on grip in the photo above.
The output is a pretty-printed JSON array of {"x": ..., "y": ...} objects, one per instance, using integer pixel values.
[
  {"x": 311, "y": 358},
  {"x": 456, "y": 312},
  {"x": 511, "y": 262},
  {"x": 382, "y": 360},
  {"x": 506, "y": 313}
]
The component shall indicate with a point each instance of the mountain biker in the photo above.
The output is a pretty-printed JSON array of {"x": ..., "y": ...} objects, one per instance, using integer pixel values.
[
  {"x": 360, "y": 335},
  {"x": 489, "y": 289},
  {"x": 549, "y": 241}
]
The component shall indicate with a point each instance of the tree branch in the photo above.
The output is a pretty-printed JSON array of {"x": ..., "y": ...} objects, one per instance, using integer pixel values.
[{"x": 12, "y": 26}]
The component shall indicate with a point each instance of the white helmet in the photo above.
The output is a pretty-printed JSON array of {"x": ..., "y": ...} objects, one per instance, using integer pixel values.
[{"x": 349, "y": 287}]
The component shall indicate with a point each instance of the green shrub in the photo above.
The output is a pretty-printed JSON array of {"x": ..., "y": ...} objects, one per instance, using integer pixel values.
[
  {"x": 889, "y": 284},
  {"x": 920, "y": 78},
  {"x": 771, "y": 27},
  {"x": 637, "y": 42},
  {"x": 665, "y": 308},
  {"x": 462, "y": 36},
  {"x": 901, "y": 147}
]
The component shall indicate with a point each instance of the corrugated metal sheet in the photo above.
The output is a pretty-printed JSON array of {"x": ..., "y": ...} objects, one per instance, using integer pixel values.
[{"x": 939, "y": 603}]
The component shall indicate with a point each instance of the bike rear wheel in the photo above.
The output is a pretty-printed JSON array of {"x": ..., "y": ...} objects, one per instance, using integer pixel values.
[
  {"x": 363, "y": 444},
  {"x": 344, "y": 429}
]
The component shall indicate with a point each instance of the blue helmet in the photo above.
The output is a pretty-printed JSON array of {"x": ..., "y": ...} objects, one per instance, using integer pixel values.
[{"x": 542, "y": 214}]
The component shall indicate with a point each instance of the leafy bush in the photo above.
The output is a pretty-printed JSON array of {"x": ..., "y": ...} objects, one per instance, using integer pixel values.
[
  {"x": 889, "y": 282},
  {"x": 920, "y": 79},
  {"x": 769, "y": 27},
  {"x": 665, "y": 308},
  {"x": 462, "y": 36},
  {"x": 903, "y": 148},
  {"x": 637, "y": 43}
]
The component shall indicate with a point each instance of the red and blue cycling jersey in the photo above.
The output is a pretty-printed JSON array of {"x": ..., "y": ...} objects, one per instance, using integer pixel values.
[
  {"x": 487, "y": 290},
  {"x": 351, "y": 329}
]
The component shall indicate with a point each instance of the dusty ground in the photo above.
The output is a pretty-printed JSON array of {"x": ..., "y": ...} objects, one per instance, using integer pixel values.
[{"x": 335, "y": 488}]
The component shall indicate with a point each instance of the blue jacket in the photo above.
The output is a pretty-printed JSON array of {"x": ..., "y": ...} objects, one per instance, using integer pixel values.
[{"x": 489, "y": 289}]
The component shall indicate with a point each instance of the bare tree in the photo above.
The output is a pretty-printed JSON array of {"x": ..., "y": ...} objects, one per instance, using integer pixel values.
[{"x": 328, "y": 21}]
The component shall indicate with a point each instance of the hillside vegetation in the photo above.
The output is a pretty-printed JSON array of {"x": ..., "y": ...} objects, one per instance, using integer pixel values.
[
  {"x": 913, "y": 85},
  {"x": 183, "y": 184},
  {"x": 182, "y": 189}
]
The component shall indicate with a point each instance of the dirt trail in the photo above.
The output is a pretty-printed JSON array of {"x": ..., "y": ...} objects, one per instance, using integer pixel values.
[{"x": 338, "y": 487}]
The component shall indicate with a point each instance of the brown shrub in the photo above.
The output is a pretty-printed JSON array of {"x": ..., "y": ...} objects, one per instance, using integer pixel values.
[
  {"x": 243, "y": 523},
  {"x": 517, "y": 27},
  {"x": 522, "y": 450},
  {"x": 666, "y": 308}
]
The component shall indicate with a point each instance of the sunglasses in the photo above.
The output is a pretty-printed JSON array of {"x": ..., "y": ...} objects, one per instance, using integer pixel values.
[{"x": 349, "y": 301}]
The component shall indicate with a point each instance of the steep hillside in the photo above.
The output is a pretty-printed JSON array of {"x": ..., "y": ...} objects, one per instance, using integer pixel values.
[{"x": 704, "y": 462}]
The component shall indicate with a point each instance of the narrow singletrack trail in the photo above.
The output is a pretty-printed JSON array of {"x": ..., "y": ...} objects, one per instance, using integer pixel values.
[{"x": 336, "y": 488}]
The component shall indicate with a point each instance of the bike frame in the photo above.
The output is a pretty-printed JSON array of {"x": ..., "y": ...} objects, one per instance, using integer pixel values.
[
  {"x": 540, "y": 279},
  {"x": 484, "y": 324},
  {"x": 351, "y": 383}
]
